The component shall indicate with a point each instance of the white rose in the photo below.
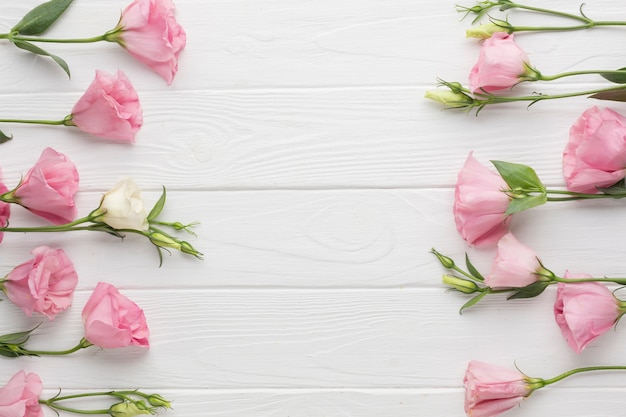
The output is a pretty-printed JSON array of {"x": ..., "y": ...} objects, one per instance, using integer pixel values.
[{"x": 123, "y": 207}]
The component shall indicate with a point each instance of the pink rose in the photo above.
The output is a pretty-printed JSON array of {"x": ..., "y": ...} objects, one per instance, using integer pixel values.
[
  {"x": 584, "y": 311},
  {"x": 595, "y": 155},
  {"x": 515, "y": 264},
  {"x": 491, "y": 390},
  {"x": 5, "y": 210},
  {"x": 111, "y": 320},
  {"x": 150, "y": 33},
  {"x": 479, "y": 204},
  {"x": 20, "y": 396},
  {"x": 48, "y": 188},
  {"x": 501, "y": 64},
  {"x": 109, "y": 108},
  {"x": 44, "y": 284}
]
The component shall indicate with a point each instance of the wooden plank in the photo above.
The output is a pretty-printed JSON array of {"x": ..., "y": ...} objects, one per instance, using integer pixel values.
[
  {"x": 315, "y": 338},
  {"x": 305, "y": 139}
]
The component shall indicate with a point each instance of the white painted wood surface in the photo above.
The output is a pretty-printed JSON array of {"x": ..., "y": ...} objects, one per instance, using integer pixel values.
[{"x": 296, "y": 132}]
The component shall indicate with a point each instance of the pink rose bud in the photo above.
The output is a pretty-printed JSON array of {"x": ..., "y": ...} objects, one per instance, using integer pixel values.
[
  {"x": 44, "y": 284},
  {"x": 111, "y": 320},
  {"x": 150, "y": 33},
  {"x": 595, "y": 155},
  {"x": 515, "y": 265},
  {"x": 479, "y": 204},
  {"x": 109, "y": 108},
  {"x": 491, "y": 390},
  {"x": 48, "y": 188},
  {"x": 20, "y": 396},
  {"x": 501, "y": 64},
  {"x": 585, "y": 311}
]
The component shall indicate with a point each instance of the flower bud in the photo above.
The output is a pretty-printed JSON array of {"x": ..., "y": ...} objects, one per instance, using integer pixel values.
[
  {"x": 129, "y": 409},
  {"x": 164, "y": 241},
  {"x": 157, "y": 401},
  {"x": 484, "y": 31},
  {"x": 450, "y": 99},
  {"x": 463, "y": 285},
  {"x": 446, "y": 261}
]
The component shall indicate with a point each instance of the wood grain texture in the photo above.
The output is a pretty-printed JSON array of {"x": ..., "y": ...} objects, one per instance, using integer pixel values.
[{"x": 296, "y": 132}]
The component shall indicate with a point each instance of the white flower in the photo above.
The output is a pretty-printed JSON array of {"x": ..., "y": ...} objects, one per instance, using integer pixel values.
[{"x": 123, "y": 208}]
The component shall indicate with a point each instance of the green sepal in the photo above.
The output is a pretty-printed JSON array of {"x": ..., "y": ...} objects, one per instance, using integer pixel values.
[
  {"x": 39, "y": 19},
  {"x": 617, "y": 189},
  {"x": 27, "y": 46},
  {"x": 473, "y": 301},
  {"x": 616, "y": 78},
  {"x": 520, "y": 204},
  {"x": 4, "y": 138},
  {"x": 530, "y": 291},
  {"x": 8, "y": 353},
  {"x": 158, "y": 207},
  {"x": 472, "y": 270},
  {"x": 615, "y": 95},
  {"x": 519, "y": 176}
]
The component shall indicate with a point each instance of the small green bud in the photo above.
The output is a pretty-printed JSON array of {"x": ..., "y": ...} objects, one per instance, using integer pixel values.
[
  {"x": 450, "y": 99},
  {"x": 463, "y": 285},
  {"x": 164, "y": 241},
  {"x": 446, "y": 261},
  {"x": 484, "y": 31},
  {"x": 129, "y": 409},
  {"x": 157, "y": 401}
]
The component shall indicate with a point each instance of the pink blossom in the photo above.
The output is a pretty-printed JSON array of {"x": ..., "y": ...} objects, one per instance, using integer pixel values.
[
  {"x": 515, "y": 264},
  {"x": 150, "y": 33},
  {"x": 111, "y": 320},
  {"x": 584, "y": 311},
  {"x": 595, "y": 155},
  {"x": 48, "y": 188},
  {"x": 479, "y": 204},
  {"x": 491, "y": 390},
  {"x": 44, "y": 284},
  {"x": 20, "y": 396},
  {"x": 109, "y": 108},
  {"x": 5, "y": 209},
  {"x": 501, "y": 64}
]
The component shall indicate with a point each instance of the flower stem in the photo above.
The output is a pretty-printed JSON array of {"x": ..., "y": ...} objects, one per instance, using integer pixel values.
[
  {"x": 84, "y": 343},
  {"x": 54, "y": 406},
  {"x": 37, "y": 122},
  {"x": 581, "y": 370},
  {"x": 574, "y": 73},
  {"x": 12, "y": 36}
]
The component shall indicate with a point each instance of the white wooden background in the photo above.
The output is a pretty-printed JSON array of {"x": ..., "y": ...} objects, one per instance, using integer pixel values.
[{"x": 296, "y": 132}]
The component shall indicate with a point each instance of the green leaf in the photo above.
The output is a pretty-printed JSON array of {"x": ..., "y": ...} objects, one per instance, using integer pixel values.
[
  {"x": 8, "y": 353},
  {"x": 473, "y": 271},
  {"x": 158, "y": 207},
  {"x": 27, "y": 46},
  {"x": 518, "y": 175},
  {"x": 4, "y": 138},
  {"x": 530, "y": 291},
  {"x": 520, "y": 204},
  {"x": 39, "y": 19},
  {"x": 473, "y": 301},
  {"x": 17, "y": 338},
  {"x": 615, "y": 95},
  {"x": 616, "y": 78}
]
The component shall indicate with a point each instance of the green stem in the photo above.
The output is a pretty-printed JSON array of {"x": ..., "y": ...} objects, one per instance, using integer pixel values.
[
  {"x": 581, "y": 370},
  {"x": 574, "y": 73},
  {"x": 621, "y": 281},
  {"x": 485, "y": 99},
  {"x": 572, "y": 195},
  {"x": 68, "y": 227},
  {"x": 55, "y": 407},
  {"x": 84, "y": 343},
  {"x": 93, "y": 39},
  {"x": 37, "y": 122}
]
